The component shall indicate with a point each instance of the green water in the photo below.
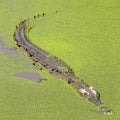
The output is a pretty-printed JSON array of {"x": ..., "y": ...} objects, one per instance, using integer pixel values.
[{"x": 84, "y": 34}]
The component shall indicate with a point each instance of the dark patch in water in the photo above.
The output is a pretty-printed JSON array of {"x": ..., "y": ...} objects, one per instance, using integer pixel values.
[
  {"x": 4, "y": 48},
  {"x": 8, "y": 50},
  {"x": 30, "y": 76}
]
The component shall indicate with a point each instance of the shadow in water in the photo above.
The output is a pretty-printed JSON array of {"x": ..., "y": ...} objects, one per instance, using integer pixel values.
[{"x": 30, "y": 76}]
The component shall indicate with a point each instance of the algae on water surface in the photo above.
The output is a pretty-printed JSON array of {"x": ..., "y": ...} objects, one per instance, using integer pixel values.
[{"x": 85, "y": 34}]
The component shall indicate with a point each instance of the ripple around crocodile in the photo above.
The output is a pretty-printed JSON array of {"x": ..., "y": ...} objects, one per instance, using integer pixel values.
[{"x": 54, "y": 65}]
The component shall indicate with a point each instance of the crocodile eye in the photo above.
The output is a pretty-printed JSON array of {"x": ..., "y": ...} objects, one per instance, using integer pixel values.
[{"x": 86, "y": 94}]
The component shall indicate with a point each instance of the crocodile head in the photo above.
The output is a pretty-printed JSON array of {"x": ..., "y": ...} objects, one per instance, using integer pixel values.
[{"x": 91, "y": 94}]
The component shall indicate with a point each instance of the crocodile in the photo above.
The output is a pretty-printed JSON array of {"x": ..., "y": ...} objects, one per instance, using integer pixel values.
[{"x": 53, "y": 64}]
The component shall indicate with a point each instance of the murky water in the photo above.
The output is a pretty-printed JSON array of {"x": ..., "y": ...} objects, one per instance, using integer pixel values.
[
  {"x": 8, "y": 50},
  {"x": 30, "y": 76},
  {"x": 4, "y": 49}
]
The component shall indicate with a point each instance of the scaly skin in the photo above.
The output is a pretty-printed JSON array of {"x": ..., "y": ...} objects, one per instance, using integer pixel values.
[{"x": 54, "y": 65}]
